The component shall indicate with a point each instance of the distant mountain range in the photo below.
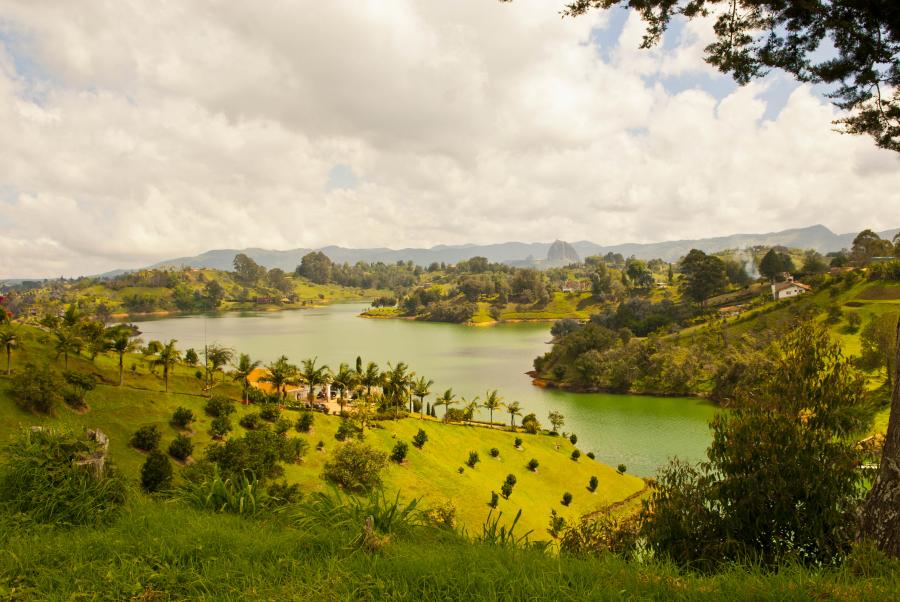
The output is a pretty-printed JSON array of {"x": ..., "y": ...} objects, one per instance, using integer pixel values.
[{"x": 816, "y": 237}]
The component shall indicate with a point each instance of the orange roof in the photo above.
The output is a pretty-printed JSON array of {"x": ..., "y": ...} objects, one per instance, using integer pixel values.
[{"x": 254, "y": 379}]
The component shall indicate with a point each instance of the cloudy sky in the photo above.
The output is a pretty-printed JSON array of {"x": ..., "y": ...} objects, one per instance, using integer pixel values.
[{"x": 134, "y": 131}]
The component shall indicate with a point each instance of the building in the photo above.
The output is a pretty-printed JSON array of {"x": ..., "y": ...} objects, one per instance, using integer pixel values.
[{"x": 788, "y": 289}]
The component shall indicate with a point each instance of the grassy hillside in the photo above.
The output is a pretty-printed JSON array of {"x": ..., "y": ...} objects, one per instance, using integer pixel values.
[{"x": 431, "y": 472}]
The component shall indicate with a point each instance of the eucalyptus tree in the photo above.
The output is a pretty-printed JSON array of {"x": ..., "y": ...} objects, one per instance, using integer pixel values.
[
  {"x": 422, "y": 389},
  {"x": 314, "y": 376},
  {"x": 242, "y": 371},
  {"x": 492, "y": 401},
  {"x": 122, "y": 339},
  {"x": 167, "y": 357},
  {"x": 280, "y": 373},
  {"x": 513, "y": 409},
  {"x": 9, "y": 340}
]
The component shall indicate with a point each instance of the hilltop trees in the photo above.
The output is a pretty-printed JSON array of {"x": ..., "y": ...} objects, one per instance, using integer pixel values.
[
  {"x": 867, "y": 245},
  {"x": 703, "y": 276},
  {"x": 247, "y": 271},
  {"x": 315, "y": 267},
  {"x": 774, "y": 263}
]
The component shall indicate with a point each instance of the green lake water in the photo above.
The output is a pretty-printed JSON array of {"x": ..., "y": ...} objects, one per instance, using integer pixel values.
[{"x": 641, "y": 432}]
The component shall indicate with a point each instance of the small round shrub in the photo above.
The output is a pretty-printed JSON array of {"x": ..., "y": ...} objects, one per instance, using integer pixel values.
[
  {"x": 591, "y": 455},
  {"x": 304, "y": 422},
  {"x": 398, "y": 454},
  {"x": 219, "y": 406},
  {"x": 347, "y": 430},
  {"x": 533, "y": 465},
  {"x": 460, "y": 470},
  {"x": 420, "y": 439},
  {"x": 220, "y": 426},
  {"x": 282, "y": 426},
  {"x": 291, "y": 449},
  {"x": 320, "y": 445},
  {"x": 495, "y": 452},
  {"x": 566, "y": 499},
  {"x": 621, "y": 468},
  {"x": 506, "y": 490},
  {"x": 511, "y": 479},
  {"x": 182, "y": 417},
  {"x": 251, "y": 421},
  {"x": 355, "y": 466},
  {"x": 156, "y": 473},
  {"x": 181, "y": 448},
  {"x": 573, "y": 438},
  {"x": 37, "y": 389},
  {"x": 473, "y": 459},
  {"x": 495, "y": 499},
  {"x": 146, "y": 438},
  {"x": 270, "y": 412},
  {"x": 518, "y": 442},
  {"x": 592, "y": 484},
  {"x": 575, "y": 455}
]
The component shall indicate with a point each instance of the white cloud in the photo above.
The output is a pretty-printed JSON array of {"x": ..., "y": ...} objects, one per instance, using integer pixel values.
[{"x": 138, "y": 132}]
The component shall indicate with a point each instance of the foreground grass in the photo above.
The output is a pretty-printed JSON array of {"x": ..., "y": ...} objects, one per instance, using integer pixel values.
[{"x": 162, "y": 551}]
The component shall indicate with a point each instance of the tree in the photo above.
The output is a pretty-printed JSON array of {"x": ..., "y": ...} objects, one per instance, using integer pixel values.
[
  {"x": 313, "y": 376},
  {"x": 242, "y": 372},
  {"x": 122, "y": 340},
  {"x": 280, "y": 373},
  {"x": 557, "y": 420},
  {"x": 9, "y": 340},
  {"x": 190, "y": 357},
  {"x": 880, "y": 516},
  {"x": 878, "y": 340},
  {"x": 492, "y": 401},
  {"x": 217, "y": 356},
  {"x": 703, "y": 276},
  {"x": 277, "y": 279},
  {"x": 422, "y": 389},
  {"x": 754, "y": 36},
  {"x": 370, "y": 377},
  {"x": 397, "y": 383},
  {"x": 513, "y": 409},
  {"x": 213, "y": 293},
  {"x": 344, "y": 381},
  {"x": 447, "y": 399},
  {"x": 167, "y": 357},
  {"x": 867, "y": 245},
  {"x": 814, "y": 263},
  {"x": 315, "y": 267},
  {"x": 638, "y": 273},
  {"x": 247, "y": 271},
  {"x": 601, "y": 280},
  {"x": 773, "y": 264},
  {"x": 355, "y": 466},
  {"x": 156, "y": 473},
  {"x": 67, "y": 341},
  {"x": 736, "y": 273}
]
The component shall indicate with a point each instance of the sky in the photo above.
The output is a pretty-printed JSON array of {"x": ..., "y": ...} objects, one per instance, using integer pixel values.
[{"x": 134, "y": 132}]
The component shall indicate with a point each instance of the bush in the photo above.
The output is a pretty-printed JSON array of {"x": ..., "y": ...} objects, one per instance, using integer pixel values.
[
  {"x": 156, "y": 473},
  {"x": 420, "y": 439},
  {"x": 219, "y": 406},
  {"x": 347, "y": 430},
  {"x": 495, "y": 452},
  {"x": 220, "y": 426},
  {"x": 573, "y": 438},
  {"x": 251, "y": 421},
  {"x": 40, "y": 477},
  {"x": 355, "y": 466},
  {"x": 181, "y": 448},
  {"x": 495, "y": 500},
  {"x": 511, "y": 479},
  {"x": 518, "y": 442},
  {"x": 854, "y": 321},
  {"x": 270, "y": 412},
  {"x": 593, "y": 483},
  {"x": 304, "y": 422},
  {"x": 473, "y": 459},
  {"x": 257, "y": 453},
  {"x": 292, "y": 449},
  {"x": 182, "y": 417},
  {"x": 621, "y": 469},
  {"x": 320, "y": 445},
  {"x": 398, "y": 454},
  {"x": 37, "y": 389},
  {"x": 591, "y": 455},
  {"x": 146, "y": 438},
  {"x": 566, "y": 499},
  {"x": 282, "y": 426},
  {"x": 506, "y": 490},
  {"x": 575, "y": 455},
  {"x": 81, "y": 384},
  {"x": 532, "y": 465}
]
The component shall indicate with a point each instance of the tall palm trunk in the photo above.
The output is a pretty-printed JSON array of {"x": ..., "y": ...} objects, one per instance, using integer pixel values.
[
  {"x": 121, "y": 369},
  {"x": 8, "y": 360}
]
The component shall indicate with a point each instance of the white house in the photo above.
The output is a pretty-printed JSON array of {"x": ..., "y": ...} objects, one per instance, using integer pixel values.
[{"x": 788, "y": 289}]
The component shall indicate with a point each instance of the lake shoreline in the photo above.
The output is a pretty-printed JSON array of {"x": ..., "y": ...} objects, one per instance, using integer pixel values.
[{"x": 549, "y": 383}]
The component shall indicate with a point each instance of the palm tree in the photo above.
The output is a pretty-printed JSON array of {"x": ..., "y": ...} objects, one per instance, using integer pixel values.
[
  {"x": 67, "y": 341},
  {"x": 447, "y": 399},
  {"x": 167, "y": 358},
  {"x": 280, "y": 373},
  {"x": 314, "y": 376},
  {"x": 242, "y": 372},
  {"x": 514, "y": 409},
  {"x": 471, "y": 407},
  {"x": 397, "y": 382},
  {"x": 492, "y": 401},
  {"x": 422, "y": 389},
  {"x": 9, "y": 340},
  {"x": 370, "y": 377},
  {"x": 218, "y": 356},
  {"x": 344, "y": 381},
  {"x": 121, "y": 341}
]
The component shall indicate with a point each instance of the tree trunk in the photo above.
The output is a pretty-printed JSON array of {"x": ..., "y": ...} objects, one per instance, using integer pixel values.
[
  {"x": 880, "y": 519},
  {"x": 121, "y": 370},
  {"x": 8, "y": 361}
]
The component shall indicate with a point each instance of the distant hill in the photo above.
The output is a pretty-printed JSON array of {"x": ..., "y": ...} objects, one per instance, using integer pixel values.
[
  {"x": 563, "y": 253},
  {"x": 816, "y": 237}
]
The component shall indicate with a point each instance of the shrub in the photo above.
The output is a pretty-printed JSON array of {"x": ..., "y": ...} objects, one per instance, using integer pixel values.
[
  {"x": 355, "y": 466},
  {"x": 304, "y": 422},
  {"x": 81, "y": 385},
  {"x": 282, "y": 426},
  {"x": 854, "y": 321},
  {"x": 511, "y": 479},
  {"x": 420, "y": 439},
  {"x": 495, "y": 452},
  {"x": 575, "y": 455},
  {"x": 320, "y": 445},
  {"x": 495, "y": 500},
  {"x": 518, "y": 442},
  {"x": 591, "y": 455},
  {"x": 347, "y": 430},
  {"x": 292, "y": 449},
  {"x": 506, "y": 490},
  {"x": 473, "y": 459},
  {"x": 251, "y": 421},
  {"x": 270, "y": 412},
  {"x": 460, "y": 470},
  {"x": 146, "y": 438},
  {"x": 530, "y": 424},
  {"x": 181, "y": 448},
  {"x": 573, "y": 438},
  {"x": 532, "y": 465},
  {"x": 398, "y": 454},
  {"x": 557, "y": 525},
  {"x": 156, "y": 473},
  {"x": 566, "y": 499},
  {"x": 40, "y": 477},
  {"x": 257, "y": 452},
  {"x": 37, "y": 389},
  {"x": 182, "y": 417},
  {"x": 621, "y": 469},
  {"x": 219, "y": 406},
  {"x": 593, "y": 483},
  {"x": 220, "y": 426}
]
